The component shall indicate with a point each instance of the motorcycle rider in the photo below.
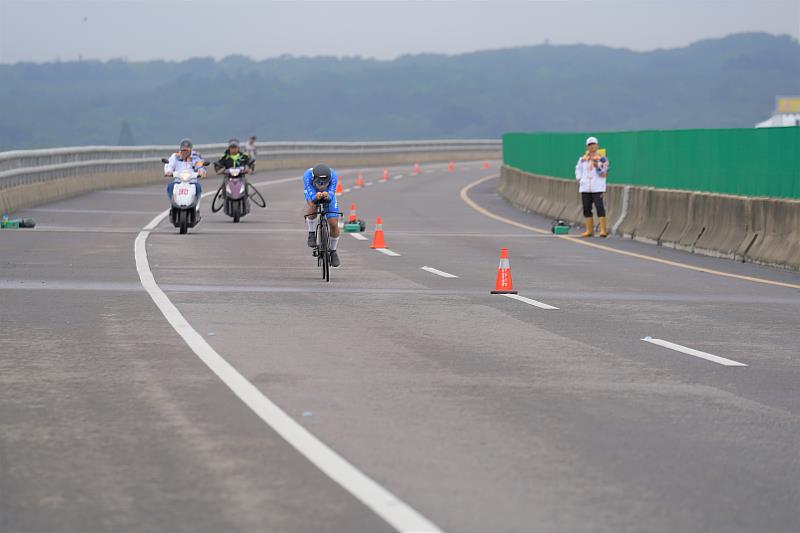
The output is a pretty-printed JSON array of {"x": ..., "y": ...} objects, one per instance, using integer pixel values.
[
  {"x": 185, "y": 158},
  {"x": 319, "y": 184},
  {"x": 233, "y": 158}
]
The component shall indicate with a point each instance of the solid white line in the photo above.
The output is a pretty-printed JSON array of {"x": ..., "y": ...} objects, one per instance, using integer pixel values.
[
  {"x": 387, "y": 252},
  {"x": 358, "y": 236},
  {"x": 535, "y": 303},
  {"x": 386, "y": 505},
  {"x": 438, "y": 272},
  {"x": 692, "y": 351}
]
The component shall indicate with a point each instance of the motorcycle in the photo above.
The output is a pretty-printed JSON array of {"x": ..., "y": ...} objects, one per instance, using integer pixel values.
[
  {"x": 235, "y": 194},
  {"x": 183, "y": 213}
]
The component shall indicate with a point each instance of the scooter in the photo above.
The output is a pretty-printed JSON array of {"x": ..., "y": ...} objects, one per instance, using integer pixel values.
[
  {"x": 235, "y": 193},
  {"x": 183, "y": 213}
]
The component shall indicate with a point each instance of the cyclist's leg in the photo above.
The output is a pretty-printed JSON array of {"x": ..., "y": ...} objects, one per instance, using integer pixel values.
[
  {"x": 333, "y": 224},
  {"x": 311, "y": 224}
]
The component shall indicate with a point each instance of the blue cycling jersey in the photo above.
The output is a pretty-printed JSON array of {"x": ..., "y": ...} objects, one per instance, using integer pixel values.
[{"x": 311, "y": 192}]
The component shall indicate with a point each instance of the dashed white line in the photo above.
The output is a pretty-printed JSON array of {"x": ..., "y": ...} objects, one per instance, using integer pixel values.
[
  {"x": 346, "y": 190},
  {"x": 387, "y": 252},
  {"x": 385, "y": 504},
  {"x": 369, "y": 183},
  {"x": 358, "y": 237},
  {"x": 529, "y": 301},
  {"x": 399, "y": 176},
  {"x": 691, "y": 351},
  {"x": 438, "y": 272}
]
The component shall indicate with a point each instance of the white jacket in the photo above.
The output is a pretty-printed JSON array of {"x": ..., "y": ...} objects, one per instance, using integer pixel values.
[{"x": 591, "y": 179}]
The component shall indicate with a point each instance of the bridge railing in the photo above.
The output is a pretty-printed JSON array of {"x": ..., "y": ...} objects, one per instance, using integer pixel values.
[{"x": 22, "y": 167}]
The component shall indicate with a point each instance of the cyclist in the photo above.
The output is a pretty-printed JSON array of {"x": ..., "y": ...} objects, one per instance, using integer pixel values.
[
  {"x": 185, "y": 158},
  {"x": 319, "y": 185}
]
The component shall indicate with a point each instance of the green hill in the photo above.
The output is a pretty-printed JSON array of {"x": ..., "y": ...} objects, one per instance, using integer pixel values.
[{"x": 729, "y": 82}]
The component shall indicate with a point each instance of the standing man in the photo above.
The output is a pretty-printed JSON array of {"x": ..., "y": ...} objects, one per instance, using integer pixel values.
[
  {"x": 250, "y": 147},
  {"x": 591, "y": 172}
]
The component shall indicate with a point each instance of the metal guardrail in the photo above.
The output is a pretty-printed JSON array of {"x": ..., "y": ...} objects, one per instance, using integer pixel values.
[{"x": 29, "y": 166}]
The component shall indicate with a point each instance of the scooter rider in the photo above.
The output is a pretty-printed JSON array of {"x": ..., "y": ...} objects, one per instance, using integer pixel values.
[
  {"x": 185, "y": 158},
  {"x": 319, "y": 184},
  {"x": 233, "y": 158}
]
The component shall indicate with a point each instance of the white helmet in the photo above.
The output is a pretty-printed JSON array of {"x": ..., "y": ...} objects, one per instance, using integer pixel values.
[{"x": 591, "y": 140}]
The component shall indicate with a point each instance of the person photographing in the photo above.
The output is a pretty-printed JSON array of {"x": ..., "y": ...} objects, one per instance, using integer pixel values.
[{"x": 591, "y": 172}]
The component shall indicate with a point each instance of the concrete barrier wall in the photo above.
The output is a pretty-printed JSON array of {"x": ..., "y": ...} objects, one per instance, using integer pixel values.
[
  {"x": 758, "y": 230},
  {"x": 45, "y": 185}
]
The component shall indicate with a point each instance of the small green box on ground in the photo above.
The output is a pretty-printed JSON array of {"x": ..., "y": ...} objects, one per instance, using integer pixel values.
[
  {"x": 10, "y": 224},
  {"x": 560, "y": 230},
  {"x": 352, "y": 227}
]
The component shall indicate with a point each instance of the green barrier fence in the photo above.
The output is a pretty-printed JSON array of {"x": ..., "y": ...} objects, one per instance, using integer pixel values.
[{"x": 745, "y": 162}]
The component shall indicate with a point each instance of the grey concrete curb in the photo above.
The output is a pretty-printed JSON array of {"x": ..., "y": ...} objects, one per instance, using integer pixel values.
[{"x": 756, "y": 230}]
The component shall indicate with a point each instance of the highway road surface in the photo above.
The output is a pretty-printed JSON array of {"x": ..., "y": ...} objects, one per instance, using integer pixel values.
[{"x": 152, "y": 382}]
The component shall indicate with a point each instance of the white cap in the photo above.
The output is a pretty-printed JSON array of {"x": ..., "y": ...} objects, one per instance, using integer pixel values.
[{"x": 591, "y": 140}]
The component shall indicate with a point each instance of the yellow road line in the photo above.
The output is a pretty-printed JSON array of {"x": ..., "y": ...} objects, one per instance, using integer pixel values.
[{"x": 465, "y": 196}]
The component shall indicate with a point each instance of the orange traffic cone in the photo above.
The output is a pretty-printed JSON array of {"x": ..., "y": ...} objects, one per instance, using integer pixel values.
[
  {"x": 486, "y": 165},
  {"x": 360, "y": 180},
  {"x": 416, "y": 168},
  {"x": 352, "y": 217},
  {"x": 377, "y": 239},
  {"x": 451, "y": 167},
  {"x": 339, "y": 188},
  {"x": 503, "y": 285},
  {"x": 385, "y": 175}
]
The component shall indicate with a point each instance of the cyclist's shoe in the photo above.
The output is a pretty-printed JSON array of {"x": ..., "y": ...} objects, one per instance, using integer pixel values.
[
  {"x": 312, "y": 239},
  {"x": 335, "y": 259}
]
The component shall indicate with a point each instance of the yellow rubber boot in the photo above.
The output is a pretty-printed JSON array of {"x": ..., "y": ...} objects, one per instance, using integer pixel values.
[
  {"x": 603, "y": 230},
  {"x": 589, "y": 227}
]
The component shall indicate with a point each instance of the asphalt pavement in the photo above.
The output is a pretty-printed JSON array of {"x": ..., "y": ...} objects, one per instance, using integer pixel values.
[{"x": 479, "y": 412}]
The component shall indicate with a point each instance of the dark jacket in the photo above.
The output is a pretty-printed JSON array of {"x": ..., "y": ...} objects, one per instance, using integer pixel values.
[{"x": 229, "y": 161}]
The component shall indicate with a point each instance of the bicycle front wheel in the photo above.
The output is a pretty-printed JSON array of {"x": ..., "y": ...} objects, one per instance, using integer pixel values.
[{"x": 322, "y": 248}]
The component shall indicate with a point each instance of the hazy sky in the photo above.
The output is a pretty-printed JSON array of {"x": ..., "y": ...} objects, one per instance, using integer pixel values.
[{"x": 38, "y": 30}]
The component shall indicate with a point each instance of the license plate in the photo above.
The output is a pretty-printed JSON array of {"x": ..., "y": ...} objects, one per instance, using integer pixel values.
[{"x": 183, "y": 190}]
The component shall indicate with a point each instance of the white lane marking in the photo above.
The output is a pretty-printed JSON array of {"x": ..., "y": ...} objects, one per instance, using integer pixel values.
[
  {"x": 385, "y": 504},
  {"x": 399, "y": 176},
  {"x": 387, "y": 252},
  {"x": 368, "y": 184},
  {"x": 358, "y": 237},
  {"x": 691, "y": 351},
  {"x": 428, "y": 171},
  {"x": 529, "y": 301},
  {"x": 438, "y": 272},
  {"x": 346, "y": 190}
]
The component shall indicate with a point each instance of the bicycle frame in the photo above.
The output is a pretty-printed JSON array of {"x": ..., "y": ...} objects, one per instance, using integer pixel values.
[{"x": 322, "y": 231}]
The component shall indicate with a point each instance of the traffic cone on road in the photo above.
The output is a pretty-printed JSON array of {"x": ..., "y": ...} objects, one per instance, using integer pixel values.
[
  {"x": 503, "y": 284},
  {"x": 486, "y": 165},
  {"x": 416, "y": 169},
  {"x": 451, "y": 167},
  {"x": 377, "y": 239},
  {"x": 338, "y": 188},
  {"x": 352, "y": 217},
  {"x": 360, "y": 181},
  {"x": 385, "y": 175}
]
